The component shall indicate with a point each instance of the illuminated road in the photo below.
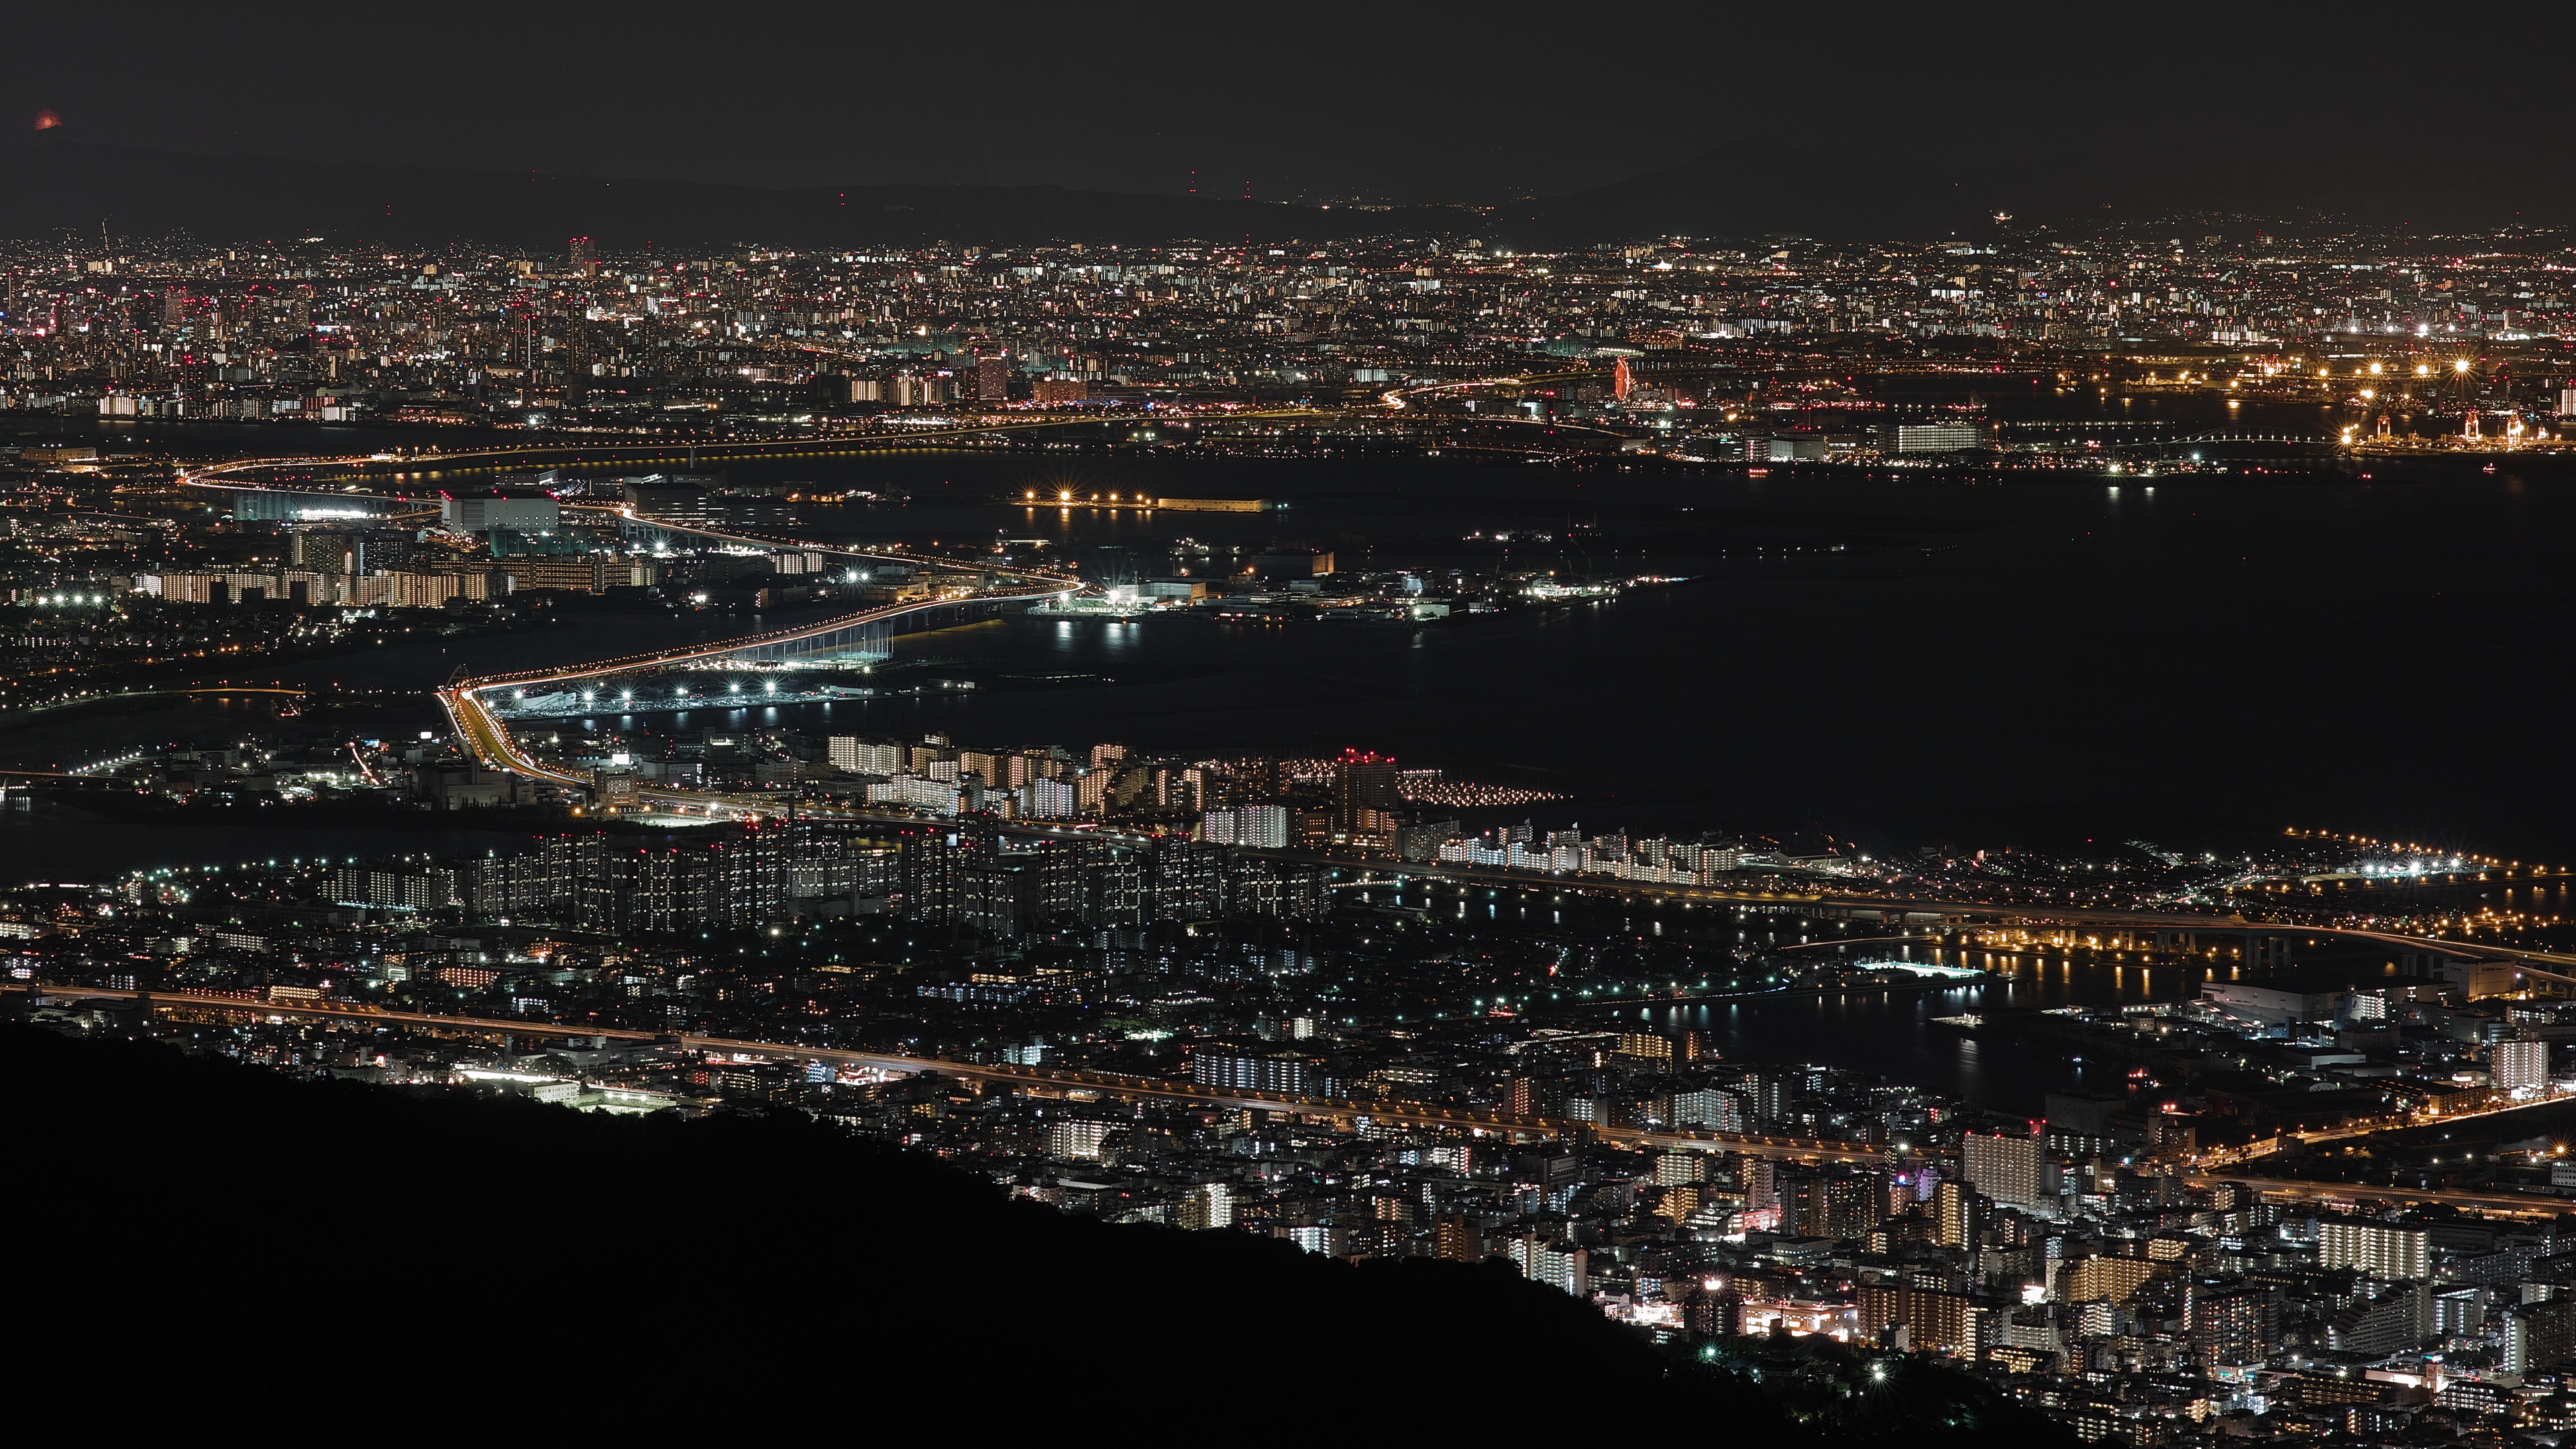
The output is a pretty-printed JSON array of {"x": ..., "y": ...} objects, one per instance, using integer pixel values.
[
  {"x": 250, "y": 471},
  {"x": 2299, "y": 1190},
  {"x": 1189, "y": 1094},
  {"x": 605, "y": 513},
  {"x": 491, "y": 742},
  {"x": 78, "y": 700},
  {"x": 490, "y": 739},
  {"x": 2354, "y": 1131},
  {"x": 1119, "y": 1086}
]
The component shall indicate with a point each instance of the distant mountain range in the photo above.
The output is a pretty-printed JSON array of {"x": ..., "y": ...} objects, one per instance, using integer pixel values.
[
  {"x": 1763, "y": 186},
  {"x": 1746, "y": 189},
  {"x": 72, "y": 187}
]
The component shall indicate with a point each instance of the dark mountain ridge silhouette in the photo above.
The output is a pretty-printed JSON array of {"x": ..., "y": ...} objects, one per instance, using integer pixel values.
[
  {"x": 71, "y": 187},
  {"x": 190, "y": 1232},
  {"x": 1744, "y": 189},
  {"x": 1764, "y": 186}
]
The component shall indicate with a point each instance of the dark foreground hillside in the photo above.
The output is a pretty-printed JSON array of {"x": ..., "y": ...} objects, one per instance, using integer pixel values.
[{"x": 193, "y": 1239}]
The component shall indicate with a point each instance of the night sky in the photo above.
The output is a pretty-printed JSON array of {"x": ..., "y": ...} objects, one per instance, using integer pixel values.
[{"x": 1408, "y": 103}]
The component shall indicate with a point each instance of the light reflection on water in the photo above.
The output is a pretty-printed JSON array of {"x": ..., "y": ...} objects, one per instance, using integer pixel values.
[
  {"x": 1887, "y": 1032},
  {"x": 1892, "y": 1034}
]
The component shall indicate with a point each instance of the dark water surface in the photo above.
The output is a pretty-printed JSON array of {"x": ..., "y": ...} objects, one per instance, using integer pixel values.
[
  {"x": 70, "y": 846},
  {"x": 1893, "y": 1035},
  {"x": 1911, "y": 654},
  {"x": 2388, "y": 656}
]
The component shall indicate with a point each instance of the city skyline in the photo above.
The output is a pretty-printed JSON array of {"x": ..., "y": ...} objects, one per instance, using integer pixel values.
[{"x": 1832, "y": 728}]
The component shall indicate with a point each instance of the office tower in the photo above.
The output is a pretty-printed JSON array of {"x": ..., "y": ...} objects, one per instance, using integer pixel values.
[
  {"x": 2236, "y": 1325},
  {"x": 2383, "y": 1250},
  {"x": 1674, "y": 1168},
  {"x": 2541, "y": 1335},
  {"x": 1363, "y": 782},
  {"x": 1077, "y": 1139},
  {"x": 1091, "y": 791},
  {"x": 1262, "y": 826},
  {"x": 1453, "y": 1238},
  {"x": 865, "y": 757},
  {"x": 1761, "y": 1184},
  {"x": 1064, "y": 879},
  {"x": 993, "y": 379},
  {"x": 1189, "y": 880},
  {"x": 2003, "y": 1166},
  {"x": 932, "y": 866},
  {"x": 1932, "y": 1320},
  {"x": 380, "y": 550},
  {"x": 1559, "y": 1264},
  {"x": 2514, "y": 1066},
  {"x": 1646, "y": 1046},
  {"x": 2115, "y": 1279},
  {"x": 324, "y": 551},
  {"x": 1120, "y": 894},
  {"x": 997, "y": 897},
  {"x": 1711, "y": 1107},
  {"x": 1051, "y": 800},
  {"x": 1210, "y": 1205},
  {"x": 1954, "y": 1216},
  {"x": 1842, "y": 1205},
  {"x": 1773, "y": 1095}
]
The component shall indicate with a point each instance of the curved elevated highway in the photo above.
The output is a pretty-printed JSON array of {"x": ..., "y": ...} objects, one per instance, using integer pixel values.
[{"x": 483, "y": 732}]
